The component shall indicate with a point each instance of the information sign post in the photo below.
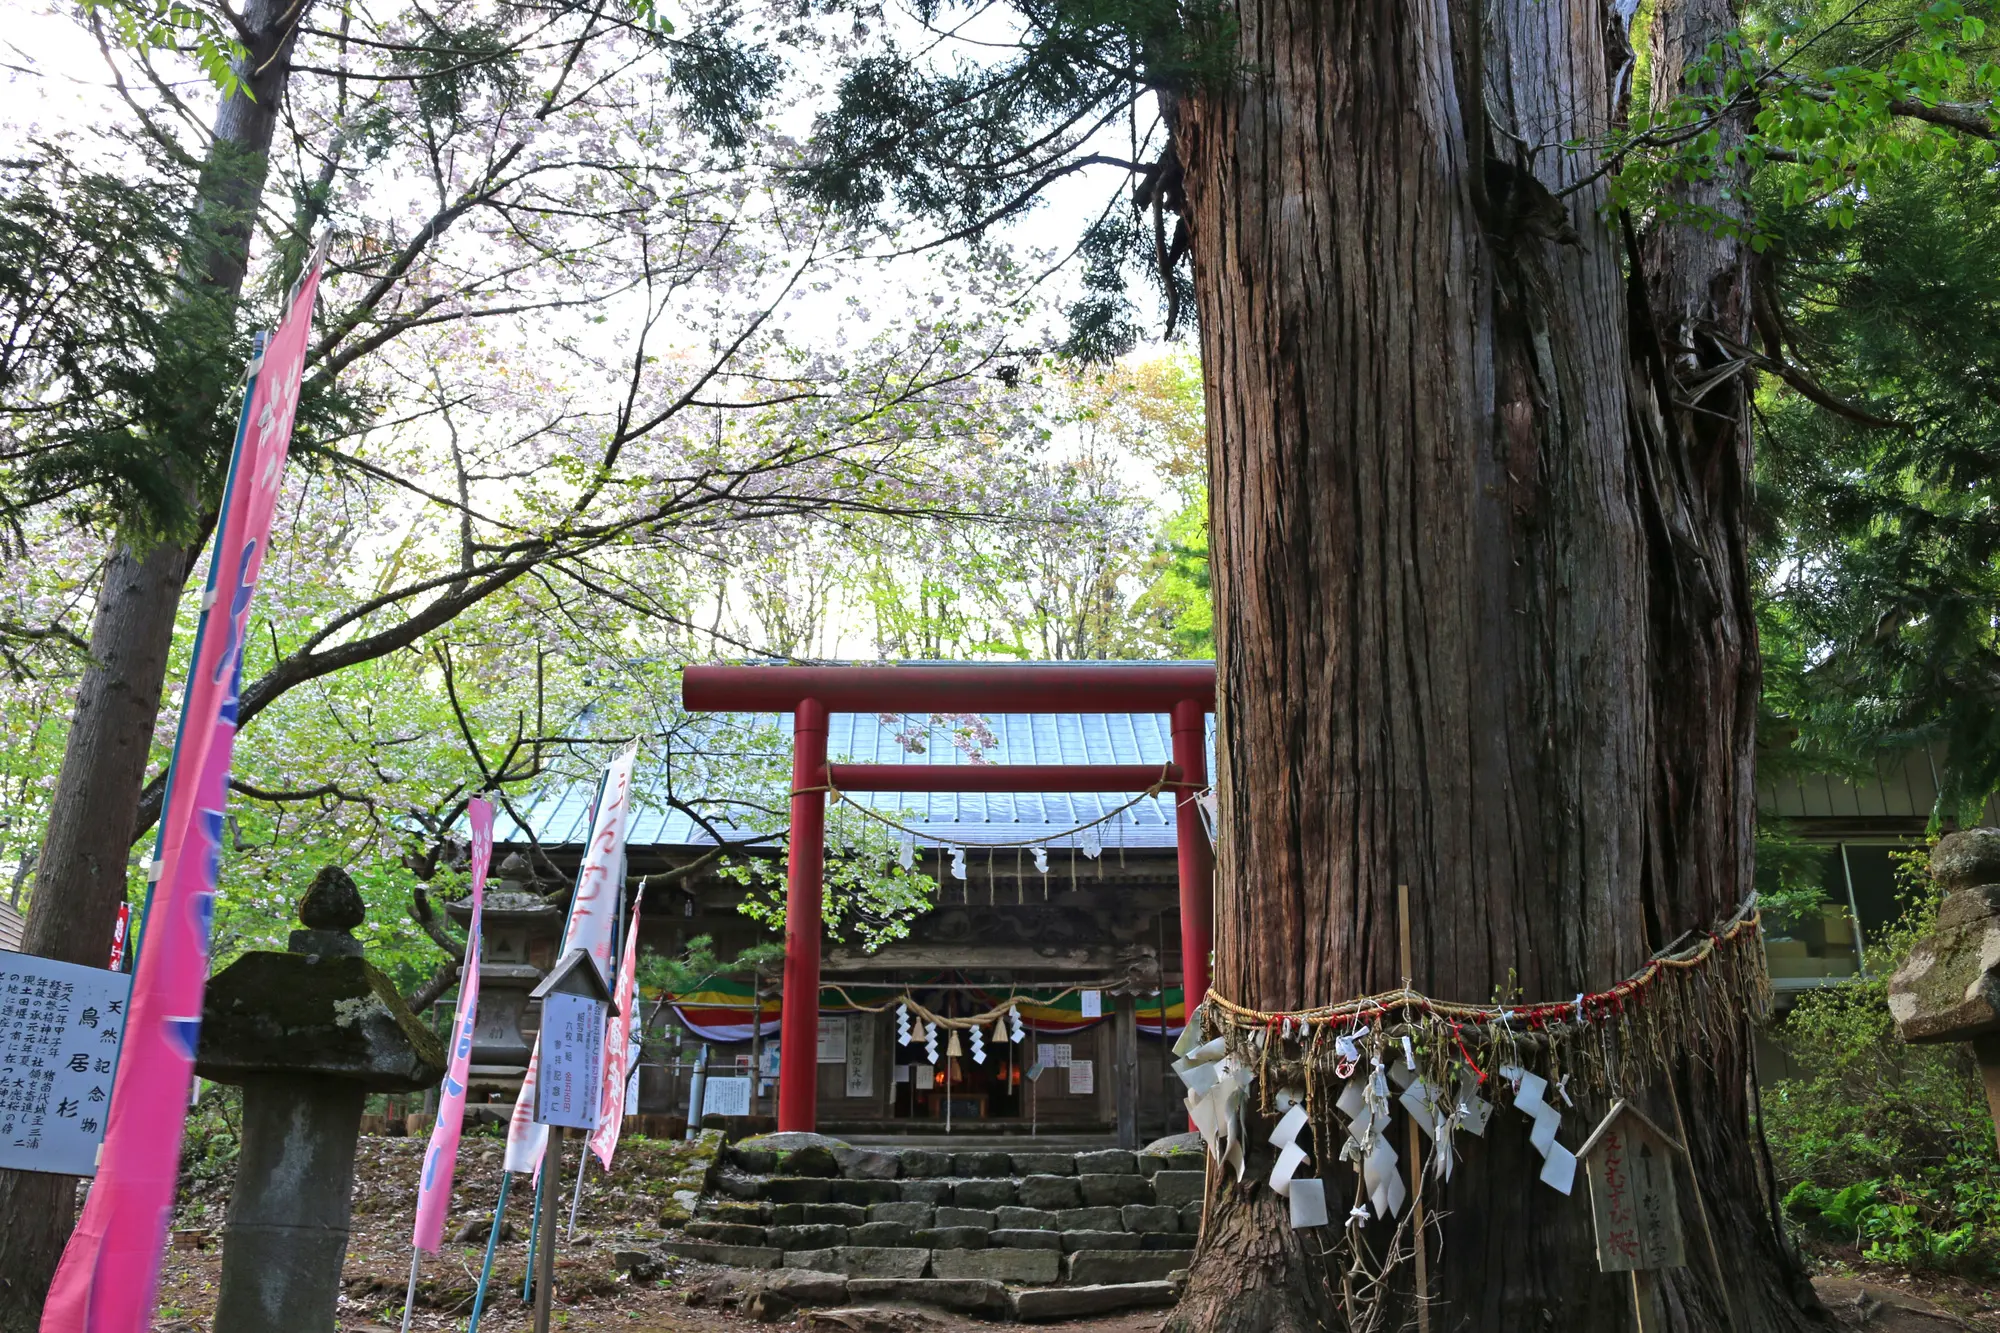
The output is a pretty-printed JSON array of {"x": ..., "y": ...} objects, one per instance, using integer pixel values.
[{"x": 575, "y": 1001}]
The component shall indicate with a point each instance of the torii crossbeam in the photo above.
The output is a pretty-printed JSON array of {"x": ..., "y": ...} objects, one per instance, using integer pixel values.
[{"x": 1184, "y": 691}]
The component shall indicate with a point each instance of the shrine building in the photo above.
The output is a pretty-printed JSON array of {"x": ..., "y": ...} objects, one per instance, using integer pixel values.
[{"x": 1085, "y": 938}]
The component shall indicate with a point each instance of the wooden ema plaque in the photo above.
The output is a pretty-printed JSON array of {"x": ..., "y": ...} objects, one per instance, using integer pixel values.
[{"x": 1632, "y": 1198}]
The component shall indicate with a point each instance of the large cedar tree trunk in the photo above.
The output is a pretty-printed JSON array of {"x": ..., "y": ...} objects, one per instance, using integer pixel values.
[
  {"x": 83, "y": 871},
  {"x": 1483, "y": 616}
]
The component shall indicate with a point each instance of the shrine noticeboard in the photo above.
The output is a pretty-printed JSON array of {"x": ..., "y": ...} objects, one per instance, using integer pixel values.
[
  {"x": 1632, "y": 1194},
  {"x": 60, "y": 1025}
]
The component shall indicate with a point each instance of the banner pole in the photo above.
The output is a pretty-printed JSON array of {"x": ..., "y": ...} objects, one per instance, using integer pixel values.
[
  {"x": 577, "y": 1198},
  {"x": 535, "y": 1230},
  {"x": 492, "y": 1243},
  {"x": 410, "y": 1296}
]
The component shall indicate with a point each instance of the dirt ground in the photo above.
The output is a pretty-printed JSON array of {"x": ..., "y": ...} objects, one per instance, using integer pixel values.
[
  {"x": 617, "y": 1212},
  {"x": 623, "y": 1211}
]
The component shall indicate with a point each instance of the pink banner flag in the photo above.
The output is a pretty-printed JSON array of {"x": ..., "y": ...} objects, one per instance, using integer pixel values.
[
  {"x": 110, "y": 1273},
  {"x": 617, "y": 1048},
  {"x": 592, "y": 916},
  {"x": 441, "y": 1158}
]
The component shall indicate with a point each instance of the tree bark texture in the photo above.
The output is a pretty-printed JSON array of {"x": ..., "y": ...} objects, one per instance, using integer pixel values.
[
  {"x": 1483, "y": 616},
  {"x": 83, "y": 871}
]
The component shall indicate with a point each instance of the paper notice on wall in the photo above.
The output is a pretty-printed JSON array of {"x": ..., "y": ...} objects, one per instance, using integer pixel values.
[
  {"x": 726, "y": 1096},
  {"x": 902, "y": 1073},
  {"x": 1081, "y": 1077},
  {"x": 1056, "y": 1056},
  {"x": 832, "y": 1039},
  {"x": 1093, "y": 1004}
]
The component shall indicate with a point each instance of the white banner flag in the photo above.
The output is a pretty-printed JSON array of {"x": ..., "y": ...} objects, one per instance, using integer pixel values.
[{"x": 592, "y": 916}]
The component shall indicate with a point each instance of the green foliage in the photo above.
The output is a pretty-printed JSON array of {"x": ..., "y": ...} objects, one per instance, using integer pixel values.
[
  {"x": 210, "y": 1146},
  {"x": 660, "y": 973},
  {"x": 1819, "y": 102},
  {"x": 1882, "y": 551},
  {"x": 1879, "y": 1143},
  {"x": 112, "y": 369},
  {"x": 202, "y": 33}
]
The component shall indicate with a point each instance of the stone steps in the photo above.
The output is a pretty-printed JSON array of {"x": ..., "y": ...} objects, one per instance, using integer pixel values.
[{"x": 1106, "y": 1229}]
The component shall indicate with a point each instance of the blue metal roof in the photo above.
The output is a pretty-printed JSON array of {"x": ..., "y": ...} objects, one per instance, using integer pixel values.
[{"x": 559, "y": 814}]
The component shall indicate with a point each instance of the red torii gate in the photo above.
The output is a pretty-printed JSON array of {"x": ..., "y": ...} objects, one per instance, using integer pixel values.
[{"x": 1185, "y": 691}]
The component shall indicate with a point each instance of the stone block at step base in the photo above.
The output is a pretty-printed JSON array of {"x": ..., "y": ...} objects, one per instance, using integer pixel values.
[
  {"x": 964, "y": 1217},
  {"x": 1087, "y": 1268},
  {"x": 1048, "y": 1192},
  {"x": 744, "y": 1189},
  {"x": 982, "y": 1193},
  {"x": 1026, "y": 1239},
  {"x": 864, "y": 1193},
  {"x": 977, "y": 1165},
  {"x": 1150, "y": 1217},
  {"x": 863, "y": 1260},
  {"x": 909, "y": 1214},
  {"x": 802, "y": 1286},
  {"x": 824, "y": 1236},
  {"x": 1089, "y": 1219},
  {"x": 966, "y": 1295},
  {"x": 729, "y": 1256},
  {"x": 924, "y": 1191},
  {"x": 895, "y": 1234},
  {"x": 1111, "y": 1161},
  {"x": 810, "y": 1161},
  {"x": 724, "y": 1210},
  {"x": 1156, "y": 1240},
  {"x": 1113, "y": 1190},
  {"x": 1177, "y": 1189},
  {"x": 1043, "y": 1163},
  {"x": 950, "y": 1238},
  {"x": 922, "y": 1162},
  {"x": 800, "y": 1214},
  {"x": 798, "y": 1189},
  {"x": 1072, "y": 1241},
  {"x": 1024, "y": 1219},
  {"x": 725, "y": 1233},
  {"x": 756, "y": 1161},
  {"x": 1006, "y": 1265},
  {"x": 867, "y": 1164},
  {"x": 1049, "y": 1303},
  {"x": 1191, "y": 1218}
]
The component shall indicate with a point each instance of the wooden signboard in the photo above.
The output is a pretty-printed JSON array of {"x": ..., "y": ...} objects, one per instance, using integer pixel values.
[{"x": 1630, "y": 1162}]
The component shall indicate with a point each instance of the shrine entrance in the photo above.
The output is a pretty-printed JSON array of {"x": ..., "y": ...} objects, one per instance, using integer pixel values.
[{"x": 996, "y": 1087}]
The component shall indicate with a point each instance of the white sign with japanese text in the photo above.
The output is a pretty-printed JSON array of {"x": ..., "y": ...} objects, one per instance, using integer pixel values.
[
  {"x": 861, "y": 1055},
  {"x": 60, "y": 1025},
  {"x": 572, "y": 1061},
  {"x": 832, "y": 1040}
]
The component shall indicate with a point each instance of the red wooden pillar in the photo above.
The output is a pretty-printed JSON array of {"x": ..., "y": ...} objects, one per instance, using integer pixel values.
[
  {"x": 805, "y": 876},
  {"x": 1197, "y": 858}
]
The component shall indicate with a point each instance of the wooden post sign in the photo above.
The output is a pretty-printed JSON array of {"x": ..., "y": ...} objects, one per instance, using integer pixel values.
[
  {"x": 1630, "y": 1162},
  {"x": 574, "y": 999}
]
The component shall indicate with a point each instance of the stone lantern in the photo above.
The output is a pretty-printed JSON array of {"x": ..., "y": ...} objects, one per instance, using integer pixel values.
[
  {"x": 1949, "y": 989},
  {"x": 518, "y": 938},
  {"x": 308, "y": 1035}
]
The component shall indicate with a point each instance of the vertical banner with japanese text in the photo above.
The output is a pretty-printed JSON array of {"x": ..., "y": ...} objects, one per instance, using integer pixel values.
[
  {"x": 592, "y": 923},
  {"x": 617, "y": 1049},
  {"x": 441, "y": 1158},
  {"x": 109, "y": 1275}
]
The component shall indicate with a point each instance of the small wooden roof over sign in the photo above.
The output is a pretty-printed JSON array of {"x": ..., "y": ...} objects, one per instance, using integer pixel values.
[
  {"x": 1633, "y": 1200},
  {"x": 576, "y": 974}
]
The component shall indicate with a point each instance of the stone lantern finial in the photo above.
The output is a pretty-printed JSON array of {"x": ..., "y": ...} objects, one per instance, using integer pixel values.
[{"x": 330, "y": 910}]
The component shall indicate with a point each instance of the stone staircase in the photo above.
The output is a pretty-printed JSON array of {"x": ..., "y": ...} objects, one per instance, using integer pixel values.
[{"x": 1027, "y": 1234}]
